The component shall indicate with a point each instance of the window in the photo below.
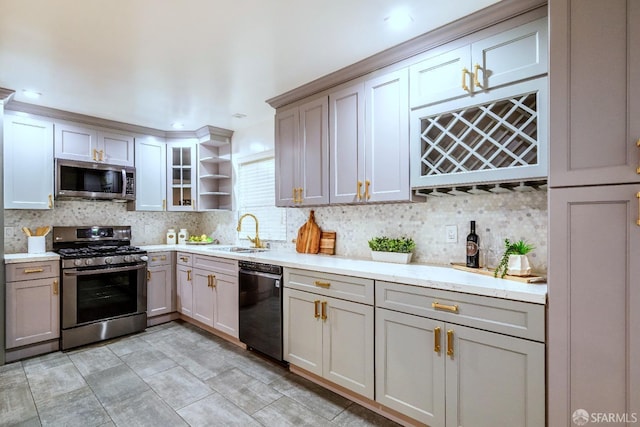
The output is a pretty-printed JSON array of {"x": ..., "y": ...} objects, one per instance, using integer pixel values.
[{"x": 256, "y": 195}]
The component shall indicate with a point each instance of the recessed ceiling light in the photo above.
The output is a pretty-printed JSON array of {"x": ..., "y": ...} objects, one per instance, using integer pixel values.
[
  {"x": 31, "y": 94},
  {"x": 239, "y": 116},
  {"x": 177, "y": 125},
  {"x": 398, "y": 19}
]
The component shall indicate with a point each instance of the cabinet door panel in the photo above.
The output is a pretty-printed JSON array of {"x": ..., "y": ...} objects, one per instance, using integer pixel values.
[
  {"x": 203, "y": 296},
  {"x": 346, "y": 127},
  {"x": 151, "y": 175},
  {"x": 75, "y": 143},
  {"x": 594, "y": 294},
  {"x": 28, "y": 163},
  {"x": 595, "y": 98},
  {"x": 511, "y": 55},
  {"x": 440, "y": 77},
  {"x": 302, "y": 331},
  {"x": 494, "y": 380},
  {"x": 348, "y": 345},
  {"x": 159, "y": 291},
  {"x": 287, "y": 155},
  {"x": 387, "y": 137},
  {"x": 185, "y": 290},
  {"x": 409, "y": 373},
  {"x": 226, "y": 315},
  {"x": 314, "y": 152},
  {"x": 33, "y": 313},
  {"x": 117, "y": 148}
]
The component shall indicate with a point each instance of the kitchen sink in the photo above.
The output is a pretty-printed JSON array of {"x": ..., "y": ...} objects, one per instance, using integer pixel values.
[{"x": 240, "y": 249}]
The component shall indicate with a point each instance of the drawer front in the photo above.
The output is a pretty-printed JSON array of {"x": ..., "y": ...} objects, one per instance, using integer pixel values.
[
  {"x": 32, "y": 270},
  {"x": 159, "y": 258},
  {"x": 519, "y": 319},
  {"x": 348, "y": 288},
  {"x": 183, "y": 258},
  {"x": 220, "y": 265}
]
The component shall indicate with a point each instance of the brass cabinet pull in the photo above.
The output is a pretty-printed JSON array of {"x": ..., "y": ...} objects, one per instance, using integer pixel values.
[
  {"x": 184, "y": 259},
  {"x": 163, "y": 258},
  {"x": 208, "y": 281},
  {"x": 322, "y": 284},
  {"x": 358, "y": 191},
  {"x": 189, "y": 275},
  {"x": 324, "y": 310},
  {"x": 452, "y": 308},
  {"x": 193, "y": 205},
  {"x": 300, "y": 190},
  {"x": 436, "y": 340},
  {"x": 638, "y": 197},
  {"x": 101, "y": 152},
  {"x": 33, "y": 270},
  {"x": 164, "y": 204},
  {"x": 148, "y": 275},
  {"x": 450, "y": 343},
  {"x": 367, "y": 196},
  {"x": 476, "y": 80},
  {"x": 55, "y": 287},
  {"x": 464, "y": 80},
  {"x": 316, "y": 307},
  {"x": 95, "y": 159},
  {"x": 153, "y": 259},
  {"x": 213, "y": 281},
  {"x": 50, "y": 201}
]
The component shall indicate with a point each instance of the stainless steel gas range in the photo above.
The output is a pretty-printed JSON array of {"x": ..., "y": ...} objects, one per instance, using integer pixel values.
[{"x": 103, "y": 284}]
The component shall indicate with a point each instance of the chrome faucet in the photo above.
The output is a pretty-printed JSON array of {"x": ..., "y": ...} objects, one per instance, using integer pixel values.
[{"x": 256, "y": 241}]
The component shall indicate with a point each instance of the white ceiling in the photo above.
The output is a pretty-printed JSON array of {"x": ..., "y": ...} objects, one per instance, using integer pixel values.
[{"x": 154, "y": 62}]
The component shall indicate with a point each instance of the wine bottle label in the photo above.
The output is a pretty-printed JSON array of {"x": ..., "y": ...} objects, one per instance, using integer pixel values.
[{"x": 472, "y": 248}]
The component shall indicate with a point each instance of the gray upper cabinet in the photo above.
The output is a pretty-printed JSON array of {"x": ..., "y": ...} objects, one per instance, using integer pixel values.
[
  {"x": 369, "y": 144},
  {"x": 493, "y": 61},
  {"x": 595, "y": 64},
  {"x": 151, "y": 174},
  {"x": 302, "y": 154}
]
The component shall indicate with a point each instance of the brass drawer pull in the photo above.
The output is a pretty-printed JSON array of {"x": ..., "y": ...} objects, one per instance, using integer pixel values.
[
  {"x": 189, "y": 275},
  {"x": 55, "y": 287},
  {"x": 436, "y": 340},
  {"x": 324, "y": 310},
  {"x": 184, "y": 259},
  {"x": 316, "y": 307},
  {"x": 450, "y": 343},
  {"x": 322, "y": 284},
  {"x": 452, "y": 308},
  {"x": 33, "y": 270}
]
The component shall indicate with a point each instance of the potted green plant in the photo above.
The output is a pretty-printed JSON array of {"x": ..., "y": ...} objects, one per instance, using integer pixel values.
[
  {"x": 398, "y": 250},
  {"x": 514, "y": 261}
]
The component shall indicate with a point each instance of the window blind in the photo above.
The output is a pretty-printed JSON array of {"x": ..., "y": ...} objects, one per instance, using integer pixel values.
[{"x": 256, "y": 195}]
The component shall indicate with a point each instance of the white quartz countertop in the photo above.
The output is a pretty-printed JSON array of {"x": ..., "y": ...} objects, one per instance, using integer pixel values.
[
  {"x": 15, "y": 258},
  {"x": 437, "y": 277}
]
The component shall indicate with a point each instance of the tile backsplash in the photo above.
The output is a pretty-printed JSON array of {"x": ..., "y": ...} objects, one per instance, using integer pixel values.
[{"x": 513, "y": 215}]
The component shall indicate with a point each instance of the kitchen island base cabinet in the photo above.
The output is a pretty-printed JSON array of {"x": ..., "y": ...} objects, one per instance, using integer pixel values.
[{"x": 330, "y": 337}]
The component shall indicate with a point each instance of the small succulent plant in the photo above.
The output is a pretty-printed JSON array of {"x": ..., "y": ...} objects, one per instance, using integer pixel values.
[
  {"x": 386, "y": 244},
  {"x": 520, "y": 247}
]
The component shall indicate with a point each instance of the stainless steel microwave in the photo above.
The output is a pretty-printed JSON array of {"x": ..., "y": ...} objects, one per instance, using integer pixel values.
[{"x": 88, "y": 180}]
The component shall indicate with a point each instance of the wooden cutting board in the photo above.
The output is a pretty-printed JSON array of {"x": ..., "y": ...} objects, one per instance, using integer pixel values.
[
  {"x": 308, "y": 241},
  {"x": 328, "y": 242}
]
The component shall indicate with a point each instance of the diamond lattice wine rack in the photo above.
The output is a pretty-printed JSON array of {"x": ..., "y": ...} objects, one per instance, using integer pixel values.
[{"x": 499, "y": 140}]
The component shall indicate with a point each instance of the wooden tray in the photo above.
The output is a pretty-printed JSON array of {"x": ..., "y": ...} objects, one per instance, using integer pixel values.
[{"x": 523, "y": 279}]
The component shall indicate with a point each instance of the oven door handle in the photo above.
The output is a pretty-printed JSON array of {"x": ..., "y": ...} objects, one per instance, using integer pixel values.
[{"x": 105, "y": 270}]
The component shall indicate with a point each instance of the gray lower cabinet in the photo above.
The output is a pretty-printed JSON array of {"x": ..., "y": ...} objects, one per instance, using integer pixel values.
[
  {"x": 32, "y": 303},
  {"x": 446, "y": 374},
  {"x": 184, "y": 283},
  {"x": 160, "y": 287}
]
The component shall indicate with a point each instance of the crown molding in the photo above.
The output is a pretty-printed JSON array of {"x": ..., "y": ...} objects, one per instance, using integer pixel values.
[
  {"x": 206, "y": 131},
  {"x": 6, "y": 95},
  {"x": 482, "y": 19}
]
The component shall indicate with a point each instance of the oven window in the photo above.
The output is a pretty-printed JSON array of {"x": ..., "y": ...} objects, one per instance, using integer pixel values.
[{"x": 104, "y": 295}]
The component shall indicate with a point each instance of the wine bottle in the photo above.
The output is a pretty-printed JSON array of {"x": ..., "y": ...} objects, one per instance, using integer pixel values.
[{"x": 473, "y": 250}]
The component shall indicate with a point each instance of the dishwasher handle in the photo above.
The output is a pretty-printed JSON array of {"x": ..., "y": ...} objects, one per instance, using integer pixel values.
[{"x": 276, "y": 277}]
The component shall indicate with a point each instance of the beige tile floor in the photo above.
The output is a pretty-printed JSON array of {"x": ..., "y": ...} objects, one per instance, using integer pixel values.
[{"x": 170, "y": 375}]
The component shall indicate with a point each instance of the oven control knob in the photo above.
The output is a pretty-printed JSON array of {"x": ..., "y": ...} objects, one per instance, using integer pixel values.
[
  {"x": 108, "y": 260},
  {"x": 88, "y": 261},
  {"x": 77, "y": 262},
  {"x": 128, "y": 258}
]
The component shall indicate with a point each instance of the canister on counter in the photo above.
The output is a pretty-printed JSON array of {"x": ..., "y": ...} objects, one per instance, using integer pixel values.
[
  {"x": 183, "y": 236},
  {"x": 171, "y": 237}
]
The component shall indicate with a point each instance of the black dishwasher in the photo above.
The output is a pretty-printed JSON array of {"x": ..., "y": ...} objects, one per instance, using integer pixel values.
[{"x": 261, "y": 307}]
